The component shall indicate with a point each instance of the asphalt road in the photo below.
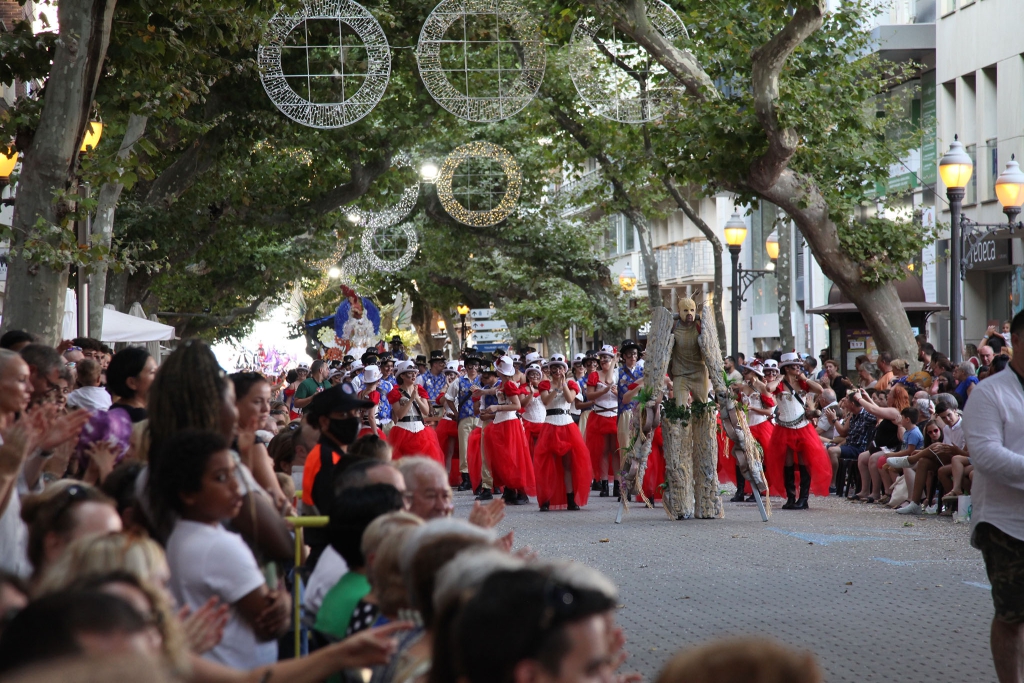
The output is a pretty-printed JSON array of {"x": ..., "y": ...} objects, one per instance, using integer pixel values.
[{"x": 874, "y": 595}]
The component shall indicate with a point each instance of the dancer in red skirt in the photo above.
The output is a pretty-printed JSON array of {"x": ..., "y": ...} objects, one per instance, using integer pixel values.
[
  {"x": 505, "y": 441},
  {"x": 368, "y": 418},
  {"x": 409, "y": 403},
  {"x": 533, "y": 406},
  {"x": 447, "y": 427},
  {"x": 561, "y": 460},
  {"x": 760, "y": 408},
  {"x": 795, "y": 444},
  {"x": 603, "y": 424}
]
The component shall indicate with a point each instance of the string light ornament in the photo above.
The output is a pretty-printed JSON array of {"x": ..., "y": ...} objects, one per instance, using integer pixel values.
[
  {"x": 616, "y": 76},
  {"x": 388, "y": 248},
  {"x": 476, "y": 152},
  {"x": 352, "y": 266},
  {"x": 316, "y": 72},
  {"x": 393, "y": 214},
  {"x": 482, "y": 60}
]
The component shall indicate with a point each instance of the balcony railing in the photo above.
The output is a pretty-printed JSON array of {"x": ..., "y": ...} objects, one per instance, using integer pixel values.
[{"x": 694, "y": 260}]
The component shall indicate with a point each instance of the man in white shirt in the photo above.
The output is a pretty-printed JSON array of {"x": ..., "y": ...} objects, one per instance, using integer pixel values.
[{"x": 994, "y": 434}]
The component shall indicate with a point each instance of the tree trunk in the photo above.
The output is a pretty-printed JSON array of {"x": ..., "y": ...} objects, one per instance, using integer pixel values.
[
  {"x": 34, "y": 299},
  {"x": 784, "y": 277},
  {"x": 716, "y": 248},
  {"x": 454, "y": 332},
  {"x": 555, "y": 341},
  {"x": 643, "y": 232},
  {"x": 103, "y": 226}
]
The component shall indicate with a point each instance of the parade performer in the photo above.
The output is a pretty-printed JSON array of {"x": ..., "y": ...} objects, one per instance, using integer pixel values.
[
  {"x": 533, "y": 406},
  {"x": 795, "y": 446},
  {"x": 387, "y": 383},
  {"x": 369, "y": 392},
  {"x": 561, "y": 459},
  {"x": 630, "y": 373},
  {"x": 409, "y": 405},
  {"x": 460, "y": 399},
  {"x": 479, "y": 464},
  {"x": 579, "y": 376},
  {"x": 505, "y": 441},
  {"x": 760, "y": 408},
  {"x": 447, "y": 427},
  {"x": 602, "y": 425}
]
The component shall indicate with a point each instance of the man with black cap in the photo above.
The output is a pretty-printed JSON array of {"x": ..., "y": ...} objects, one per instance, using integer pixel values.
[
  {"x": 462, "y": 403},
  {"x": 336, "y": 414},
  {"x": 398, "y": 349},
  {"x": 421, "y": 364}
]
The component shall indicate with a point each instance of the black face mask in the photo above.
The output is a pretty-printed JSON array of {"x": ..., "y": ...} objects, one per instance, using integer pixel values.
[{"x": 344, "y": 429}]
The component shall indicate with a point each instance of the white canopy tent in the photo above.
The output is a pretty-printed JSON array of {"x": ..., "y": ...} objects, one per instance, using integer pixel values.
[{"x": 117, "y": 327}]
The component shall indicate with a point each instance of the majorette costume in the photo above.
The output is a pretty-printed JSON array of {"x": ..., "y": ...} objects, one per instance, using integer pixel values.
[
  {"x": 367, "y": 418},
  {"x": 603, "y": 422},
  {"x": 559, "y": 439},
  {"x": 505, "y": 441},
  {"x": 760, "y": 427},
  {"x": 410, "y": 436},
  {"x": 447, "y": 427},
  {"x": 654, "y": 475},
  {"x": 793, "y": 432},
  {"x": 533, "y": 414}
]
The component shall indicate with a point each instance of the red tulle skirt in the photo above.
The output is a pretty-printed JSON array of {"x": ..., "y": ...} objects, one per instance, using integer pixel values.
[
  {"x": 424, "y": 442},
  {"x": 509, "y": 456},
  {"x": 807, "y": 451},
  {"x": 448, "y": 438},
  {"x": 762, "y": 433},
  {"x": 553, "y": 443},
  {"x": 598, "y": 427},
  {"x": 533, "y": 430},
  {"x": 654, "y": 475},
  {"x": 364, "y": 430},
  {"x": 474, "y": 457},
  {"x": 726, "y": 463}
]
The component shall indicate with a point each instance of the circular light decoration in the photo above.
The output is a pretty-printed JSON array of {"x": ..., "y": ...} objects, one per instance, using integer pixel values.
[
  {"x": 493, "y": 214},
  {"x": 482, "y": 60},
  {"x": 615, "y": 75},
  {"x": 388, "y": 248},
  {"x": 394, "y": 214},
  {"x": 352, "y": 265},
  {"x": 327, "y": 65}
]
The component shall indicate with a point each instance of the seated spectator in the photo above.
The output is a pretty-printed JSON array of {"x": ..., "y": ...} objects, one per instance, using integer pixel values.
[
  {"x": 427, "y": 483},
  {"x": 826, "y": 403},
  {"x": 956, "y": 478},
  {"x": 857, "y": 429},
  {"x": 911, "y": 442},
  {"x": 868, "y": 375},
  {"x": 382, "y": 547},
  {"x": 741, "y": 660},
  {"x": 129, "y": 378},
  {"x": 966, "y": 379},
  {"x": 195, "y": 477},
  {"x": 886, "y": 439},
  {"x": 90, "y": 395},
  {"x": 928, "y": 461}
]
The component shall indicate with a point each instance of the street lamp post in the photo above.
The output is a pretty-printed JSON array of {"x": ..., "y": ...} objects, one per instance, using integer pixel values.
[
  {"x": 955, "y": 168},
  {"x": 735, "y": 236},
  {"x": 463, "y": 310}
]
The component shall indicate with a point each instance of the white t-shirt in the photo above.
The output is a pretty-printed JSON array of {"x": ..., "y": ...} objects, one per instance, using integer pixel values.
[
  {"x": 955, "y": 434},
  {"x": 207, "y": 560},
  {"x": 329, "y": 568}
]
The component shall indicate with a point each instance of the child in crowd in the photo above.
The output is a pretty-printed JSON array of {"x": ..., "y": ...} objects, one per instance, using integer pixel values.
[
  {"x": 196, "y": 479},
  {"x": 90, "y": 395}
]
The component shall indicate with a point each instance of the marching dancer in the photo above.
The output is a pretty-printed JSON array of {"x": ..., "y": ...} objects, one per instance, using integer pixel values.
[
  {"x": 387, "y": 383},
  {"x": 409, "y": 405},
  {"x": 561, "y": 459},
  {"x": 368, "y": 418},
  {"x": 602, "y": 425},
  {"x": 795, "y": 445},
  {"x": 533, "y": 406},
  {"x": 447, "y": 427},
  {"x": 460, "y": 398},
  {"x": 505, "y": 441},
  {"x": 760, "y": 408}
]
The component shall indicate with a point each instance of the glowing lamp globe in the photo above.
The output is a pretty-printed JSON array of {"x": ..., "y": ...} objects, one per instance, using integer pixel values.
[
  {"x": 8, "y": 160},
  {"x": 956, "y": 166},
  {"x": 1010, "y": 185},
  {"x": 463, "y": 309},
  {"x": 428, "y": 172},
  {"x": 93, "y": 133},
  {"x": 627, "y": 279},
  {"x": 735, "y": 231},
  {"x": 771, "y": 245}
]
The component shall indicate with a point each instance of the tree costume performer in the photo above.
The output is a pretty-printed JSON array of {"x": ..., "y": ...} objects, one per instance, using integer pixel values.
[
  {"x": 533, "y": 406},
  {"x": 369, "y": 392},
  {"x": 602, "y": 425},
  {"x": 505, "y": 441},
  {"x": 795, "y": 445},
  {"x": 561, "y": 460},
  {"x": 409, "y": 404},
  {"x": 447, "y": 427}
]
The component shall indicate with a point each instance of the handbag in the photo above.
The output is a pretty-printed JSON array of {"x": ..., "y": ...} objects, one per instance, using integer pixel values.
[{"x": 900, "y": 494}]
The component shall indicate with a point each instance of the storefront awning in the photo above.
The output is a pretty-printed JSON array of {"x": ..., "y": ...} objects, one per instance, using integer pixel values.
[{"x": 910, "y": 290}]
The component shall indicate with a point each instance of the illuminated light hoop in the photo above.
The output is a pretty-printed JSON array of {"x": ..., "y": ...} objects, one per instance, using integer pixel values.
[
  {"x": 480, "y": 150},
  {"x": 602, "y": 83},
  {"x": 393, "y": 214},
  {"x": 379, "y": 252},
  {"x": 526, "y": 36},
  {"x": 329, "y": 114}
]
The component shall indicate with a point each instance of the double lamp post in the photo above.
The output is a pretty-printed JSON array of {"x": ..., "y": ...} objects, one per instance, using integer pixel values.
[
  {"x": 743, "y": 278},
  {"x": 955, "y": 169}
]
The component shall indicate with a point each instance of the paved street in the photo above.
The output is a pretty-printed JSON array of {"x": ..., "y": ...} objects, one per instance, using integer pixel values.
[{"x": 876, "y": 596}]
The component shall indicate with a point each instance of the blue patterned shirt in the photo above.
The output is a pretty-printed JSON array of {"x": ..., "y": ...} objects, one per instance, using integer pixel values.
[
  {"x": 384, "y": 407},
  {"x": 434, "y": 384},
  {"x": 466, "y": 396},
  {"x": 627, "y": 377}
]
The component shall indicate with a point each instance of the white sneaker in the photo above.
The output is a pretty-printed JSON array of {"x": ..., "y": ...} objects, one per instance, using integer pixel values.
[
  {"x": 933, "y": 510},
  {"x": 909, "y": 509}
]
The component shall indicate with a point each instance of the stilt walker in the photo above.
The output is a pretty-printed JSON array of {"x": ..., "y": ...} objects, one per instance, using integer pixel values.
[{"x": 561, "y": 460}]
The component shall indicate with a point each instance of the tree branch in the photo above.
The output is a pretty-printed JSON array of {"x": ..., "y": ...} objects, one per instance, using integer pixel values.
[{"x": 766, "y": 66}]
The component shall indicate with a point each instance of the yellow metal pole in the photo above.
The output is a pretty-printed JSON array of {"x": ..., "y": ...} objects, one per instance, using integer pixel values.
[{"x": 299, "y": 523}]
